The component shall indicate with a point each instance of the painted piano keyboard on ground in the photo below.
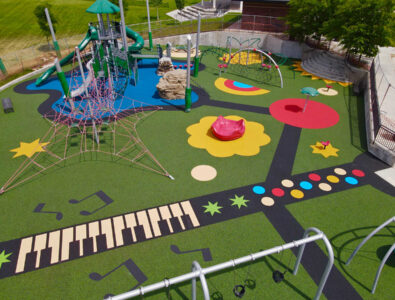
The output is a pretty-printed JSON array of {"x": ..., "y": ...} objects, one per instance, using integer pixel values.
[{"x": 46, "y": 249}]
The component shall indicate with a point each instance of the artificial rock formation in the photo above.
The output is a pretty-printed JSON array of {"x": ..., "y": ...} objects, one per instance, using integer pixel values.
[
  {"x": 165, "y": 65},
  {"x": 172, "y": 85}
]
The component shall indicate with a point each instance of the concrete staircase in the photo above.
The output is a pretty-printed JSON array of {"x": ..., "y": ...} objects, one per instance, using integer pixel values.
[
  {"x": 191, "y": 13},
  {"x": 327, "y": 65}
]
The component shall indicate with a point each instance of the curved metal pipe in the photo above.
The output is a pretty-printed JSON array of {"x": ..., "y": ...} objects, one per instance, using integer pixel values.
[
  {"x": 386, "y": 256},
  {"x": 328, "y": 266},
  {"x": 390, "y": 220},
  {"x": 206, "y": 293}
]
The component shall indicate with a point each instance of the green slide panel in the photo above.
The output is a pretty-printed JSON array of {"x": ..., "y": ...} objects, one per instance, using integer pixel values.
[
  {"x": 64, "y": 61},
  {"x": 139, "y": 41}
]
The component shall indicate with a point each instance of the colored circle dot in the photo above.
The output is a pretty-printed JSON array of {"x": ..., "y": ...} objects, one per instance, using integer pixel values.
[
  {"x": 332, "y": 178},
  {"x": 267, "y": 201},
  {"x": 278, "y": 192},
  {"x": 325, "y": 187},
  {"x": 351, "y": 180},
  {"x": 306, "y": 185},
  {"x": 298, "y": 194},
  {"x": 258, "y": 190},
  {"x": 340, "y": 171},
  {"x": 358, "y": 173},
  {"x": 287, "y": 183},
  {"x": 314, "y": 177}
]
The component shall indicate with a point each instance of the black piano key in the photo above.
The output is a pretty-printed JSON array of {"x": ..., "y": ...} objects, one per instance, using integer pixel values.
[
  {"x": 187, "y": 221},
  {"x": 164, "y": 227},
  {"x": 74, "y": 250},
  {"x": 30, "y": 262},
  {"x": 88, "y": 246},
  {"x": 127, "y": 236},
  {"x": 175, "y": 223},
  {"x": 45, "y": 259},
  {"x": 101, "y": 242},
  {"x": 140, "y": 233}
]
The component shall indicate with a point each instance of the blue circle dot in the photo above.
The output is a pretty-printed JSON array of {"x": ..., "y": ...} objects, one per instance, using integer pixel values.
[
  {"x": 242, "y": 85},
  {"x": 306, "y": 185},
  {"x": 258, "y": 190},
  {"x": 351, "y": 180}
]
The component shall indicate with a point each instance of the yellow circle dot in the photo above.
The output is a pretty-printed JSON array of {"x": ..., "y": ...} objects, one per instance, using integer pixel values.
[
  {"x": 340, "y": 171},
  {"x": 332, "y": 178},
  {"x": 325, "y": 187},
  {"x": 297, "y": 194},
  {"x": 267, "y": 201},
  {"x": 287, "y": 183}
]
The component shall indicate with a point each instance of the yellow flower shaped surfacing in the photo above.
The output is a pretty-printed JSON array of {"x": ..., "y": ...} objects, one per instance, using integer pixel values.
[
  {"x": 329, "y": 150},
  {"x": 249, "y": 144}
]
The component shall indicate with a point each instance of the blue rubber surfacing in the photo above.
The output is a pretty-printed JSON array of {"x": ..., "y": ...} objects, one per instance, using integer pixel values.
[{"x": 145, "y": 92}]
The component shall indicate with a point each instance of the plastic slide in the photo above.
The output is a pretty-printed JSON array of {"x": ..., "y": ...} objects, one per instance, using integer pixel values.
[
  {"x": 227, "y": 130},
  {"x": 65, "y": 60},
  {"x": 139, "y": 41},
  {"x": 82, "y": 88}
]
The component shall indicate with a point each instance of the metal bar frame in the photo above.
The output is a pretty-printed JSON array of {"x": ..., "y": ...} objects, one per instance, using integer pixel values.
[
  {"x": 197, "y": 271},
  {"x": 378, "y": 228}
]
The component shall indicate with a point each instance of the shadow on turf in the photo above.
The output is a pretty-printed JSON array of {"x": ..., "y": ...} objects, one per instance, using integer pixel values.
[{"x": 374, "y": 255}]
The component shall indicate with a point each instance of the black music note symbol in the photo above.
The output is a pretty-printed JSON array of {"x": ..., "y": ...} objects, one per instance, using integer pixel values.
[
  {"x": 39, "y": 209},
  {"x": 205, "y": 252},
  {"x": 133, "y": 269},
  {"x": 103, "y": 197}
]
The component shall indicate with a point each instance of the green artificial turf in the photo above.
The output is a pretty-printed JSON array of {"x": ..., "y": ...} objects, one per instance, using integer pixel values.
[
  {"x": 133, "y": 188},
  {"x": 347, "y": 218},
  {"x": 71, "y": 280}
]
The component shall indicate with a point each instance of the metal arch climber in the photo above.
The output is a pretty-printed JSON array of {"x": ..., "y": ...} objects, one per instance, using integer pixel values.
[{"x": 262, "y": 53}]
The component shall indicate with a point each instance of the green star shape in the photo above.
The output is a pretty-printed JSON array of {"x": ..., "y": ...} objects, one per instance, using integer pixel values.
[
  {"x": 3, "y": 258},
  {"x": 239, "y": 201},
  {"x": 212, "y": 208}
]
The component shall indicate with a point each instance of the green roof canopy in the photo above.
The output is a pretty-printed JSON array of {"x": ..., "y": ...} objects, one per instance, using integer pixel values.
[{"x": 103, "y": 7}]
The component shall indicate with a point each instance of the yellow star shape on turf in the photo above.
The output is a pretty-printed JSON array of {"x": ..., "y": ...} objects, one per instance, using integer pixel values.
[
  {"x": 29, "y": 149},
  {"x": 329, "y": 150}
]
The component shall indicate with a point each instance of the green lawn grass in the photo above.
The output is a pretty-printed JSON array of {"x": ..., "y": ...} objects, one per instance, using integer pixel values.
[{"x": 19, "y": 28}]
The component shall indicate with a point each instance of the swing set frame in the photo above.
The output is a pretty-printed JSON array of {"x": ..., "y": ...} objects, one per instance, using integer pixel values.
[{"x": 198, "y": 271}]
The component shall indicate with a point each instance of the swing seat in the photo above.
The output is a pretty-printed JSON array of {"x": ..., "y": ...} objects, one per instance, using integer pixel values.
[
  {"x": 239, "y": 290},
  {"x": 227, "y": 130}
]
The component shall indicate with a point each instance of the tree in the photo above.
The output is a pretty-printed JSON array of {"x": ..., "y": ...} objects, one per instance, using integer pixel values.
[
  {"x": 305, "y": 18},
  {"x": 155, "y": 3},
  {"x": 180, "y": 4},
  {"x": 42, "y": 19},
  {"x": 125, "y": 7},
  {"x": 363, "y": 25}
]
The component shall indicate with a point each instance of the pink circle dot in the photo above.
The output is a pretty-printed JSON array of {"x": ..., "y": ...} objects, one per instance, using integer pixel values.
[
  {"x": 278, "y": 192},
  {"x": 358, "y": 173},
  {"x": 314, "y": 177}
]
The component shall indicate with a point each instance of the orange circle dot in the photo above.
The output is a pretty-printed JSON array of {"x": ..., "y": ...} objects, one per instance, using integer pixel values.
[
  {"x": 298, "y": 194},
  {"x": 332, "y": 178}
]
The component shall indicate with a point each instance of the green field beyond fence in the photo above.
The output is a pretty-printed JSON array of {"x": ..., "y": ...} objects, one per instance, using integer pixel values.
[{"x": 22, "y": 46}]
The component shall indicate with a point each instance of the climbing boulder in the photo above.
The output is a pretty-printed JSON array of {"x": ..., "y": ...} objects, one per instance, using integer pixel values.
[{"x": 172, "y": 85}]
